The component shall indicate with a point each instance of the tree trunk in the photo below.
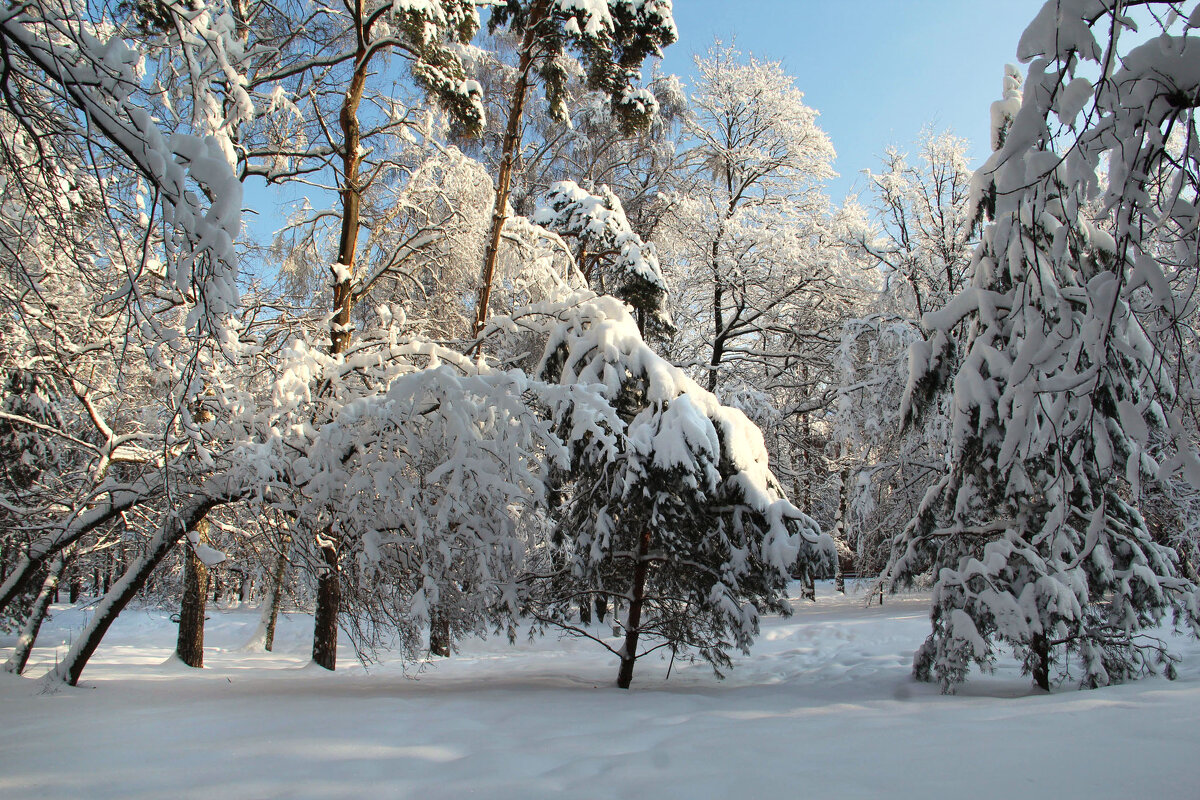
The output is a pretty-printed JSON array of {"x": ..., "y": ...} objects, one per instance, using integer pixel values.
[
  {"x": 637, "y": 597},
  {"x": 276, "y": 596},
  {"x": 806, "y": 450},
  {"x": 718, "y": 345},
  {"x": 512, "y": 138},
  {"x": 1041, "y": 661},
  {"x": 329, "y": 602},
  {"x": 329, "y": 590},
  {"x": 720, "y": 335},
  {"x": 585, "y": 611},
  {"x": 439, "y": 634},
  {"x": 125, "y": 589},
  {"x": 190, "y": 644},
  {"x": 37, "y": 615},
  {"x": 107, "y": 575},
  {"x": 841, "y": 525}
]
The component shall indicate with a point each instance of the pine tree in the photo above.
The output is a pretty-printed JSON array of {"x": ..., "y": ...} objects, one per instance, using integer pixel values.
[
  {"x": 612, "y": 258},
  {"x": 668, "y": 506},
  {"x": 612, "y": 37},
  {"x": 1035, "y": 537}
]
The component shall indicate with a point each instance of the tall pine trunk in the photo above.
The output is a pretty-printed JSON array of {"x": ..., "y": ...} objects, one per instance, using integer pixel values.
[
  {"x": 637, "y": 597},
  {"x": 329, "y": 590},
  {"x": 190, "y": 644},
  {"x": 508, "y": 151},
  {"x": 37, "y": 615}
]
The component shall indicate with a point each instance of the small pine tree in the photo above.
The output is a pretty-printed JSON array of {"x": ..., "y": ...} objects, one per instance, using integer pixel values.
[{"x": 669, "y": 506}]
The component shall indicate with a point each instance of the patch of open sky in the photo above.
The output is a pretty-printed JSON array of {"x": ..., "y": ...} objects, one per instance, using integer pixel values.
[{"x": 878, "y": 71}]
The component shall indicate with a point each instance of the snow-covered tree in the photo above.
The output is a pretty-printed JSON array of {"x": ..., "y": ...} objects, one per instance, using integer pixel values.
[
  {"x": 750, "y": 221},
  {"x": 754, "y": 251},
  {"x": 923, "y": 243},
  {"x": 1035, "y": 537},
  {"x": 341, "y": 50},
  {"x": 612, "y": 38},
  {"x": 668, "y": 506},
  {"x": 119, "y": 262},
  {"x": 425, "y": 473},
  {"x": 920, "y": 239}
]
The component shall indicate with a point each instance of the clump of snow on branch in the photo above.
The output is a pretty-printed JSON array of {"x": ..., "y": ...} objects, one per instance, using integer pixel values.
[{"x": 611, "y": 255}]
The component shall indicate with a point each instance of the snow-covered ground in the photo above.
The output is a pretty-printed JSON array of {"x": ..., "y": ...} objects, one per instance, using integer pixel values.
[{"x": 824, "y": 707}]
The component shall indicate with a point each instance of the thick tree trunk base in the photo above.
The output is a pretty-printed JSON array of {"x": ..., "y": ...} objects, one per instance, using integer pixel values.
[
  {"x": 625, "y": 674},
  {"x": 190, "y": 644},
  {"x": 329, "y": 601},
  {"x": 637, "y": 597},
  {"x": 1041, "y": 662},
  {"x": 439, "y": 635}
]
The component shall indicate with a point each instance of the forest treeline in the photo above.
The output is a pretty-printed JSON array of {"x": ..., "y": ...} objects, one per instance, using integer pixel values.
[{"x": 556, "y": 339}]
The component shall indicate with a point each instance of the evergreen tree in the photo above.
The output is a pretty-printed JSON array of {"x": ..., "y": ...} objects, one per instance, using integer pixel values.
[
  {"x": 612, "y": 38},
  {"x": 669, "y": 506},
  {"x": 1035, "y": 537}
]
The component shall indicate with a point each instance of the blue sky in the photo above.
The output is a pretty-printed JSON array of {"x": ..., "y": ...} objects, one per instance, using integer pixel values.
[{"x": 876, "y": 70}]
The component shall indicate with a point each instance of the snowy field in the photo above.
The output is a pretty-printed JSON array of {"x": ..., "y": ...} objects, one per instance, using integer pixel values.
[{"x": 824, "y": 708}]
